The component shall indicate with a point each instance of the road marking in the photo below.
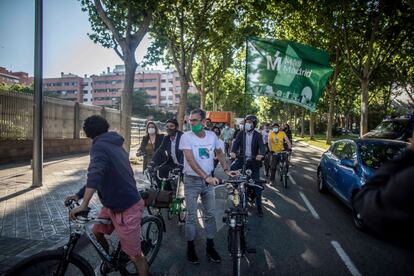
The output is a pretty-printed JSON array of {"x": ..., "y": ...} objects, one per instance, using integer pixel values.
[
  {"x": 345, "y": 258},
  {"x": 269, "y": 260},
  {"x": 310, "y": 207},
  {"x": 292, "y": 180}
]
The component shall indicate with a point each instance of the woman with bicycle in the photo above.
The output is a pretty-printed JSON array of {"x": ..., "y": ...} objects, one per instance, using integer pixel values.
[
  {"x": 150, "y": 143},
  {"x": 277, "y": 138}
]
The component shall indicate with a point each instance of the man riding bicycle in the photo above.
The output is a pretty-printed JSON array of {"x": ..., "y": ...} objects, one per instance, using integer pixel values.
[
  {"x": 110, "y": 174},
  {"x": 249, "y": 145},
  {"x": 275, "y": 143},
  {"x": 168, "y": 155}
]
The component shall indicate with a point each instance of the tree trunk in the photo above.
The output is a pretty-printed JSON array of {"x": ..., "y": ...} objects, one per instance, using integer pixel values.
[
  {"x": 183, "y": 101},
  {"x": 332, "y": 99},
  {"x": 203, "y": 84},
  {"x": 294, "y": 122},
  {"x": 302, "y": 129},
  {"x": 312, "y": 126},
  {"x": 364, "y": 106},
  {"x": 126, "y": 101}
]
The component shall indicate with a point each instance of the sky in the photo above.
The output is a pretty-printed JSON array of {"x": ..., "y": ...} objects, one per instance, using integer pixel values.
[{"x": 66, "y": 46}]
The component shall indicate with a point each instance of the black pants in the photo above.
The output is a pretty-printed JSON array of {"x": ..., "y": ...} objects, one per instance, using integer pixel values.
[{"x": 276, "y": 159}]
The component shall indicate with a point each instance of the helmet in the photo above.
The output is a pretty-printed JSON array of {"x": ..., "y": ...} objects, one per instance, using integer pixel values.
[{"x": 251, "y": 118}]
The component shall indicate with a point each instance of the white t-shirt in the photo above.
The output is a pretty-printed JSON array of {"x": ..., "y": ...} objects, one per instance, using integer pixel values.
[{"x": 203, "y": 151}]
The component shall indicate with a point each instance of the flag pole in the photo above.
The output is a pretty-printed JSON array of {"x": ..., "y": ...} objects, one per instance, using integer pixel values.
[{"x": 245, "y": 104}]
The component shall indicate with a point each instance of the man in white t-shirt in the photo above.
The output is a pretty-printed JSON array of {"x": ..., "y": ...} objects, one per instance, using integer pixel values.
[{"x": 199, "y": 147}]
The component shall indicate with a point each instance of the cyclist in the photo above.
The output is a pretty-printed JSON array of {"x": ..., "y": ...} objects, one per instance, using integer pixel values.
[
  {"x": 168, "y": 154},
  {"x": 275, "y": 143},
  {"x": 110, "y": 174},
  {"x": 227, "y": 137},
  {"x": 249, "y": 145},
  {"x": 199, "y": 146},
  {"x": 149, "y": 143}
]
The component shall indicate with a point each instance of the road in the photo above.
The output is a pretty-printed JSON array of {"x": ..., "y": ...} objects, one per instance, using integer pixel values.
[{"x": 302, "y": 232}]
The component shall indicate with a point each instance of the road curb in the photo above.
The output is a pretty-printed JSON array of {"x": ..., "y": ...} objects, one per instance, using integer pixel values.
[{"x": 311, "y": 146}]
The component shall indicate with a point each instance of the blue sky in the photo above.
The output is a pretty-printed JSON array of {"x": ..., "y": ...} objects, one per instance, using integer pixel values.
[{"x": 67, "y": 47}]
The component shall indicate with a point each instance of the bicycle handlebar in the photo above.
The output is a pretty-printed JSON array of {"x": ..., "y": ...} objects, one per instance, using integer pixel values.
[{"x": 251, "y": 183}]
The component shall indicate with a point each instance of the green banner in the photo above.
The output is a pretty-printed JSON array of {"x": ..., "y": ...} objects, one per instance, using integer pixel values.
[{"x": 286, "y": 71}]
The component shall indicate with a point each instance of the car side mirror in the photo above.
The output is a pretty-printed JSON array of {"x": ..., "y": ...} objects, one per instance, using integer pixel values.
[{"x": 348, "y": 163}]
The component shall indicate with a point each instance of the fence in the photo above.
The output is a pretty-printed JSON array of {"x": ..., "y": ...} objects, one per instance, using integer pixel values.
[{"x": 61, "y": 119}]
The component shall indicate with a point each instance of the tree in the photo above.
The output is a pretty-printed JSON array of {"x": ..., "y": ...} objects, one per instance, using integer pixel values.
[
  {"x": 121, "y": 25},
  {"x": 179, "y": 29},
  {"x": 372, "y": 33}
]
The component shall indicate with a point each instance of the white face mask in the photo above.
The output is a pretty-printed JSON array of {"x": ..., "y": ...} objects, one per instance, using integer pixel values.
[
  {"x": 226, "y": 126},
  {"x": 151, "y": 130},
  {"x": 241, "y": 127},
  {"x": 248, "y": 126},
  {"x": 276, "y": 129}
]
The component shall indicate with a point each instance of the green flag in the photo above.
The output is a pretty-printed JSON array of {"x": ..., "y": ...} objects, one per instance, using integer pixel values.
[{"x": 286, "y": 71}]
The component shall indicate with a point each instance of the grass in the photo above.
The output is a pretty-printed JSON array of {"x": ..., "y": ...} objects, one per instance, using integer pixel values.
[{"x": 320, "y": 140}]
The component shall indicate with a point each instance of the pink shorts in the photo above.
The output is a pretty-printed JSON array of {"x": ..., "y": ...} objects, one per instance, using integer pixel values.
[{"x": 127, "y": 226}]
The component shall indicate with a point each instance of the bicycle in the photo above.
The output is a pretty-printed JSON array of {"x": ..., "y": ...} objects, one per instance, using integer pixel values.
[
  {"x": 236, "y": 218},
  {"x": 282, "y": 167},
  {"x": 64, "y": 261},
  {"x": 175, "y": 179}
]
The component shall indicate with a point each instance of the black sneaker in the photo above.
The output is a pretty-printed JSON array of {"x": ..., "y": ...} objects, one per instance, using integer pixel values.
[
  {"x": 213, "y": 255},
  {"x": 192, "y": 255}
]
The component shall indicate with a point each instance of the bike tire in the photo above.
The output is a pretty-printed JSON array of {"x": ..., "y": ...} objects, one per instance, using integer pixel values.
[
  {"x": 151, "y": 227},
  {"x": 154, "y": 211},
  {"x": 235, "y": 252},
  {"x": 285, "y": 180},
  {"x": 182, "y": 213},
  {"x": 44, "y": 262}
]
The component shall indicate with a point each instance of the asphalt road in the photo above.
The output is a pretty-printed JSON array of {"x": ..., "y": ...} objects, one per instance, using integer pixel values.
[{"x": 302, "y": 232}]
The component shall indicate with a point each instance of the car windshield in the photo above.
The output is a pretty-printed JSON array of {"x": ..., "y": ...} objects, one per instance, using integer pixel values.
[
  {"x": 391, "y": 126},
  {"x": 375, "y": 154}
]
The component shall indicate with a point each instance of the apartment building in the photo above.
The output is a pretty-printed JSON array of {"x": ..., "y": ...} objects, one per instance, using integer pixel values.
[
  {"x": 10, "y": 77},
  {"x": 68, "y": 87},
  {"x": 163, "y": 88}
]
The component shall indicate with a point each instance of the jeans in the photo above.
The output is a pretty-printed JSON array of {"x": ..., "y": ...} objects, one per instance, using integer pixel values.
[
  {"x": 254, "y": 166},
  {"x": 195, "y": 186},
  {"x": 276, "y": 159}
]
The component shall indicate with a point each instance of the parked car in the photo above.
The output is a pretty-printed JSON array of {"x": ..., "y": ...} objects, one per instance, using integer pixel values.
[
  {"x": 396, "y": 129},
  {"x": 347, "y": 165}
]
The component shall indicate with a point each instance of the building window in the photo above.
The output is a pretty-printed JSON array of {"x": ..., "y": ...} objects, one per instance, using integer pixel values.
[
  {"x": 163, "y": 98},
  {"x": 163, "y": 89},
  {"x": 152, "y": 88},
  {"x": 163, "y": 80},
  {"x": 177, "y": 78},
  {"x": 85, "y": 99}
]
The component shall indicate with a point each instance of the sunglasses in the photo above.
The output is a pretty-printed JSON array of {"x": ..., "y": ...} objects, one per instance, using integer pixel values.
[{"x": 195, "y": 120}]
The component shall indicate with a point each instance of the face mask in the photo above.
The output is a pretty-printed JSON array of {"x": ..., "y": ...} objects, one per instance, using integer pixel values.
[
  {"x": 218, "y": 134},
  {"x": 248, "y": 126},
  {"x": 197, "y": 128},
  {"x": 241, "y": 127},
  {"x": 209, "y": 124},
  {"x": 226, "y": 127},
  {"x": 276, "y": 129},
  {"x": 151, "y": 130},
  {"x": 266, "y": 130},
  {"x": 171, "y": 132}
]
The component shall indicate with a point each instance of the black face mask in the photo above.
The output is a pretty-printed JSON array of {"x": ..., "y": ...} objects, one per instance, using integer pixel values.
[{"x": 171, "y": 132}]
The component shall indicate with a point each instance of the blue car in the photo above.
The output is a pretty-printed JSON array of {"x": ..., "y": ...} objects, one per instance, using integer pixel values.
[{"x": 347, "y": 165}]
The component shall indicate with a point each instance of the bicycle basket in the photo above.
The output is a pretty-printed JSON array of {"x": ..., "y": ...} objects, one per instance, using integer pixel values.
[{"x": 158, "y": 199}]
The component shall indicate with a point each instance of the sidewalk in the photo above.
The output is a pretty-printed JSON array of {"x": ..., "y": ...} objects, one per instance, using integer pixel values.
[{"x": 33, "y": 220}]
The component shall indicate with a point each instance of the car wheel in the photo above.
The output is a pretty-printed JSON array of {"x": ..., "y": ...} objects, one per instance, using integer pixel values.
[
  {"x": 358, "y": 221},
  {"x": 321, "y": 182}
]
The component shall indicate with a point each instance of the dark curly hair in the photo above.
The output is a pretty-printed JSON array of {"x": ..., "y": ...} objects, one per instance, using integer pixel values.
[{"x": 95, "y": 125}]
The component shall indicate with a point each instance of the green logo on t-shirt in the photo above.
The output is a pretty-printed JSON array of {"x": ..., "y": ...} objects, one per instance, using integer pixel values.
[{"x": 203, "y": 153}]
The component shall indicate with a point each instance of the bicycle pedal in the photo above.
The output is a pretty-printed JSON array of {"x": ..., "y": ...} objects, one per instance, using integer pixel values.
[{"x": 251, "y": 250}]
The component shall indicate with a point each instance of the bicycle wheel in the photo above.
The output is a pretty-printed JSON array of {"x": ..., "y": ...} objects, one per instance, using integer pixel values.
[
  {"x": 285, "y": 178},
  {"x": 151, "y": 237},
  {"x": 235, "y": 252},
  {"x": 47, "y": 262},
  {"x": 154, "y": 211},
  {"x": 182, "y": 212}
]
